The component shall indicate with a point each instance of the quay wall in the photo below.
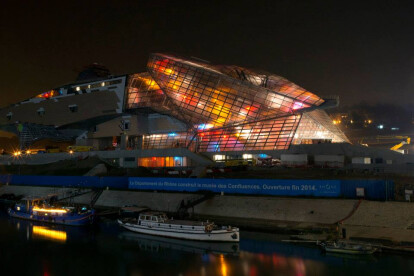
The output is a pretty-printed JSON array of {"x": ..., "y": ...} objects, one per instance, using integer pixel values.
[
  {"x": 337, "y": 188},
  {"x": 363, "y": 219},
  {"x": 303, "y": 210}
]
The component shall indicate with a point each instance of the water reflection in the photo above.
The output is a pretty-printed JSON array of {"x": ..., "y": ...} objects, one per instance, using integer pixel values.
[
  {"x": 223, "y": 266},
  {"x": 109, "y": 250},
  {"x": 156, "y": 244},
  {"x": 33, "y": 230},
  {"x": 44, "y": 233}
]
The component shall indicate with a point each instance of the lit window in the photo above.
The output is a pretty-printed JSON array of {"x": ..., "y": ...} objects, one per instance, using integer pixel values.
[
  {"x": 103, "y": 84},
  {"x": 77, "y": 88},
  {"x": 247, "y": 156},
  {"x": 219, "y": 157}
]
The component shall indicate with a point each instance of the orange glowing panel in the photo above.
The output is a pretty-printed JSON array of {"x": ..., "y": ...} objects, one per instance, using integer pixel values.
[{"x": 37, "y": 209}]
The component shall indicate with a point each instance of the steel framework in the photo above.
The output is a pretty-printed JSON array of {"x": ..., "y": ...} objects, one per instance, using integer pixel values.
[{"x": 227, "y": 108}]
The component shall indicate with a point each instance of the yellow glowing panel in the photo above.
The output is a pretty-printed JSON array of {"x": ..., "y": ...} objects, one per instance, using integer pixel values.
[
  {"x": 37, "y": 209},
  {"x": 168, "y": 71},
  {"x": 48, "y": 233},
  {"x": 221, "y": 120}
]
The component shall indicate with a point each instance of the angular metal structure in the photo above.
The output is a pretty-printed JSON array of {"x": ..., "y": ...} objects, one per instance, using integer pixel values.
[{"x": 228, "y": 108}]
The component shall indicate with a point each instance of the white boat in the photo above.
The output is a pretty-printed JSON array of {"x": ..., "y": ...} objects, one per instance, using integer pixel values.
[{"x": 158, "y": 224}]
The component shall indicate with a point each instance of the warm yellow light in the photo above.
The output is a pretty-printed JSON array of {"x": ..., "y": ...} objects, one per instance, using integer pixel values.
[
  {"x": 221, "y": 120},
  {"x": 48, "y": 233},
  {"x": 28, "y": 152},
  {"x": 71, "y": 151},
  {"x": 17, "y": 153},
  {"x": 168, "y": 71},
  {"x": 223, "y": 266},
  {"x": 37, "y": 209}
]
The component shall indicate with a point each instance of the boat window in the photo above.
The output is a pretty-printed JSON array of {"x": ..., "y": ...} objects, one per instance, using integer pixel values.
[
  {"x": 142, "y": 217},
  {"x": 154, "y": 218},
  {"x": 147, "y": 217}
]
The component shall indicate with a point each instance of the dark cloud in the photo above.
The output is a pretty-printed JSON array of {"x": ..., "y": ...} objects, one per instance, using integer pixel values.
[{"x": 361, "y": 52}]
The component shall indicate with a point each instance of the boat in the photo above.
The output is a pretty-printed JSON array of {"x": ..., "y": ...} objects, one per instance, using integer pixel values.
[
  {"x": 349, "y": 248},
  {"x": 41, "y": 209},
  {"x": 158, "y": 224}
]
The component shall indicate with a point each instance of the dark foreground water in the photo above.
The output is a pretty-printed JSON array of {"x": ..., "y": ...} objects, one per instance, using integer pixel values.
[{"x": 28, "y": 248}]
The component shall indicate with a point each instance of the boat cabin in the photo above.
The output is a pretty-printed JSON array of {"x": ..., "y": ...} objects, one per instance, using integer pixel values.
[
  {"x": 26, "y": 203},
  {"x": 153, "y": 217}
]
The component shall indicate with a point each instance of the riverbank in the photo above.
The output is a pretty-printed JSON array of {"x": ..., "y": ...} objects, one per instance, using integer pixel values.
[{"x": 391, "y": 222}]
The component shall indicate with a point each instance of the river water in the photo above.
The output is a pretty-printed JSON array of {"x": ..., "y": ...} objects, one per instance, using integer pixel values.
[{"x": 28, "y": 248}]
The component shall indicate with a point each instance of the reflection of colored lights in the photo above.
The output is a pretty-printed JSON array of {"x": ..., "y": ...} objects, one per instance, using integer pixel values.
[
  {"x": 48, "y": 233},
  {"x": 172, "y": 134},
  {"x": 177, "y": 158},
  {"x": 223, "y": 266}
]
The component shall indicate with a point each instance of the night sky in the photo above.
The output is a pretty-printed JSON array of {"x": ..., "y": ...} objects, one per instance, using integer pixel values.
[{"x": 361, "y": 52}]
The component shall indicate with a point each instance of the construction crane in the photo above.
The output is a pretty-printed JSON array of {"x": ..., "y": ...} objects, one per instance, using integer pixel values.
[{"x": 406, "y": 141}]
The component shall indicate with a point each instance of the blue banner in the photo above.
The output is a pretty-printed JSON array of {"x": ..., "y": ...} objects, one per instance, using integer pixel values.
[{"x": 320, "y": 188}]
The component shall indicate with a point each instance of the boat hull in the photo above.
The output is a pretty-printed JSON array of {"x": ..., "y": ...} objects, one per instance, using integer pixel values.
[
  {"x": 73, "y": 220},
  {"x": 350, "y": 251},
  {"x": 220, "y": 235}
]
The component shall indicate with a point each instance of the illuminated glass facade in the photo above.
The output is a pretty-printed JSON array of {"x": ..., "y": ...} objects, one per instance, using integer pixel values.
[
  {"x": 317, "y": 125},
  {"x": 157, "y": 162},
  {"x": 227, "y": 108}
]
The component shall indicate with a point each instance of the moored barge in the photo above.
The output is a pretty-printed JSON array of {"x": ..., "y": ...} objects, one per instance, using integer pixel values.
[{"x": 158, "y": 224}]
